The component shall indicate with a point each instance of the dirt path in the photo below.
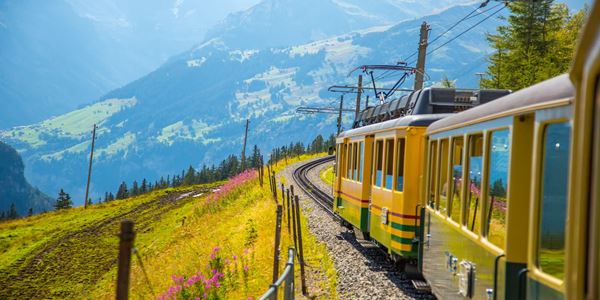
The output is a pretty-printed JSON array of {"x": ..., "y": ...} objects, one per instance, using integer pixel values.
[{"x": 69, "y": 266}]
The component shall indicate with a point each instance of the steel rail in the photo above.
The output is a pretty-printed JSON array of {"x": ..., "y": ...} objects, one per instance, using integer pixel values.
[{"x": 320, "y": 197}]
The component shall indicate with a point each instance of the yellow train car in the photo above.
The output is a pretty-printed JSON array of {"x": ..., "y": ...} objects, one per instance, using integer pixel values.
[
  {"x": 379, "y": 165},
  {"x": 512, "y": 190},
  {"x": 381, "y": 198},
  {"x": 479, "y": 179}
]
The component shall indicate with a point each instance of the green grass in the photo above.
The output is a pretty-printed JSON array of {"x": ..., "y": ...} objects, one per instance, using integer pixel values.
[
  {"x": 72, "y": 253},
  {"x": 327, "y": 175}
]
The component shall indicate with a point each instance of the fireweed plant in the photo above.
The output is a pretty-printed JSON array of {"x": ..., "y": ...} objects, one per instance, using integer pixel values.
[
  {"x": 219, "y": 276},
  {"x": 227, "y": 192}
]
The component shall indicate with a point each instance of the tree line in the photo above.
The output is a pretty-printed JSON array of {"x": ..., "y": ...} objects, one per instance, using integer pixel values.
[{"x": 229, "y": 167}]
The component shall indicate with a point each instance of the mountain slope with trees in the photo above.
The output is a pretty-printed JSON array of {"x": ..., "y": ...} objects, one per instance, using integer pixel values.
[{"x": 17, "y": 196}]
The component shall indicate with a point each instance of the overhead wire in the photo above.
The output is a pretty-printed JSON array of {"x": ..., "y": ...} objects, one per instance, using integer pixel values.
[
  {"x": 470, "y": 15},
  {"x": 467, "y": 30}
]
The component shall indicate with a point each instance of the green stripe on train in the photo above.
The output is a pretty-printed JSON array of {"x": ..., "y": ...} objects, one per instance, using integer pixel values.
[
  {"x": 401, "y": 240},
  {"x": 410, "y": 228}
]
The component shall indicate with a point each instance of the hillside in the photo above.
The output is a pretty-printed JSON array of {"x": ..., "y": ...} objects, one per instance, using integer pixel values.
[
  {"x": 59, "y": 54},
  {"x": 72, "y": 253},
  {"x": 194, "y": 107},
  {"x": 15, "y": 188}
]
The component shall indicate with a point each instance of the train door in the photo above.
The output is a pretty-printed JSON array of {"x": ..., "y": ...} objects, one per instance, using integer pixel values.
[
  {"x": 547, "y": 276},
  {"x": 584, "y": 259}
]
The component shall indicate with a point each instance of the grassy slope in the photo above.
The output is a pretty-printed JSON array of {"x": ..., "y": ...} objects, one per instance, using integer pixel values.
[
  {"x": 73, "y": 253},
  {"x": 327, "y": 175}
]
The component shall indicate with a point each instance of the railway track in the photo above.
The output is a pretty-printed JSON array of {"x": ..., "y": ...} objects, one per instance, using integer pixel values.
[
  {"x": 408, "y": 281},
  {"x": 320, "y": 197}
]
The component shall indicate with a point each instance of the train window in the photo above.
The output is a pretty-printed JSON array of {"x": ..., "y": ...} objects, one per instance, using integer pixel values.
[
  {"x": 443, "y": 183},
  {"x": 553, "y": 200},
  {"x": 400, "y": 166},
  {"x": 389, "y": 163},
  {"x": 337, "y": 159},
  {"x": 354, "y": 160},
  {"x": 349, "y": 162},
  {"x": 343, "y": 161},
  {"x": 457, "y": 151},
  {"x": 361, "y": 154},
  {"x": 499, "y": 150},
  {"x": 473, "y": 213},
  {"x": 379, "y": 163},
  {"x": 432, "y": 172}
]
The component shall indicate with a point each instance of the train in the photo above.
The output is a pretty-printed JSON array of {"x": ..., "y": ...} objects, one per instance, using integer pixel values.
[{"x": 492, "y": 194}]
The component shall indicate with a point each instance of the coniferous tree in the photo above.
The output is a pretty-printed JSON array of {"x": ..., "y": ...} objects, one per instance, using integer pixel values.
[
  {"x": 30, "y": 212},
  {"x": 12, "y": 213},
  {"x": 135, "y": 190},
  {"x": 122, "y": 192},
  {"x": 63, "y": 201},
  {"x": 144, "y": 187},
  {"x": 190, "y": 176},
  {"x": 537, "y": 44}
]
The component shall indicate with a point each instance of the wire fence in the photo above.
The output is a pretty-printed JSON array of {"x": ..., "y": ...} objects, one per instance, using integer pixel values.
[{"x": 288, "y": 209}]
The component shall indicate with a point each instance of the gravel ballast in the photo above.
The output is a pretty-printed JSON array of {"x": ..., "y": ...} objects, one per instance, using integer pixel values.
[{"x": 363, "y": 270}]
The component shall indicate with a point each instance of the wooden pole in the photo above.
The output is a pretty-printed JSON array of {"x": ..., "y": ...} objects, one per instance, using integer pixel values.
[
  {"x": 421, "y": 58},
  {"x": 277, "y": 242},
  {"x": 300, "y": 251},
  {"x": 244, "y": 148},
  {"x": 339, "y": 120},
  {"x": 124, "y": 264},
  {"x": 358, "y": 96},
  {"x": 288, "y": 210},
  {"x": 87, "y": 187}
]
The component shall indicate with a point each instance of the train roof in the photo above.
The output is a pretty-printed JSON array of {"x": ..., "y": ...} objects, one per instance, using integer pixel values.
[
  {"x": 527, "y": 99},
  {"x": 410, "y": 120}
]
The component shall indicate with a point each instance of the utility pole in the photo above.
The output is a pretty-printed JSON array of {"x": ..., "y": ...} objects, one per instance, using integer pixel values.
[
  {"x": 358, "y": 95},
  {"x": 422, "y": 53},
  {"x": 244, "y": 149},
  {"x": 339, "y": 123},
  {"x": 87, "y": 188},
  {"x": 481, "y": 75}
]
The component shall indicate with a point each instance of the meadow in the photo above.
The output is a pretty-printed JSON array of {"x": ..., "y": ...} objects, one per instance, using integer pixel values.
[{"x": 210, "y": 241}]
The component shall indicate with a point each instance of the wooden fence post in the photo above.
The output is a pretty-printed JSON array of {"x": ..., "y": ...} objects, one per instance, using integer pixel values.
[
  {"x": 288, "y": 210},
  {"x": 277, "y": 242},
  {"x": 300, "y": 251},
  {"x": 294, "y": 235},
  {"x": 124, "y": 265},
  {"x": 282, "y": 193}
]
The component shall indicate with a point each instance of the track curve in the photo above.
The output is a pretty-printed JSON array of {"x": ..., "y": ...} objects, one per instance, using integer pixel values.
[{"x": 320, "y": 197}]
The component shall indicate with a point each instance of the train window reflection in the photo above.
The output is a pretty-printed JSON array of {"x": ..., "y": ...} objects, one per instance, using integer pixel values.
[
  {"x": 499, "y": 150},
  {"x": 389, "y": 163},
  {"x": 457, "y": 151},
  {"x": 443, "y": 183},
  {"x": 400, "y": 168},
  {"x": 349, "y": 164},
  {"x": 432, "y": 172},
  {"x": 354, "y": 160},
  {"x": 553, "y": 200},
  {"x": 361, "y": 154},
  {"x": 473, "y": 213},
  {"x": 379, "y": 162}
]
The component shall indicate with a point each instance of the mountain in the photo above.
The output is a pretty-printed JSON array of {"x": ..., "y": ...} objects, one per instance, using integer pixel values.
[
  {"x": 278, "y": 23},
  {"x": 15, "y": 188},
  {"x": 193, "y": 108},
  {"x": 57, "y": 55}
]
